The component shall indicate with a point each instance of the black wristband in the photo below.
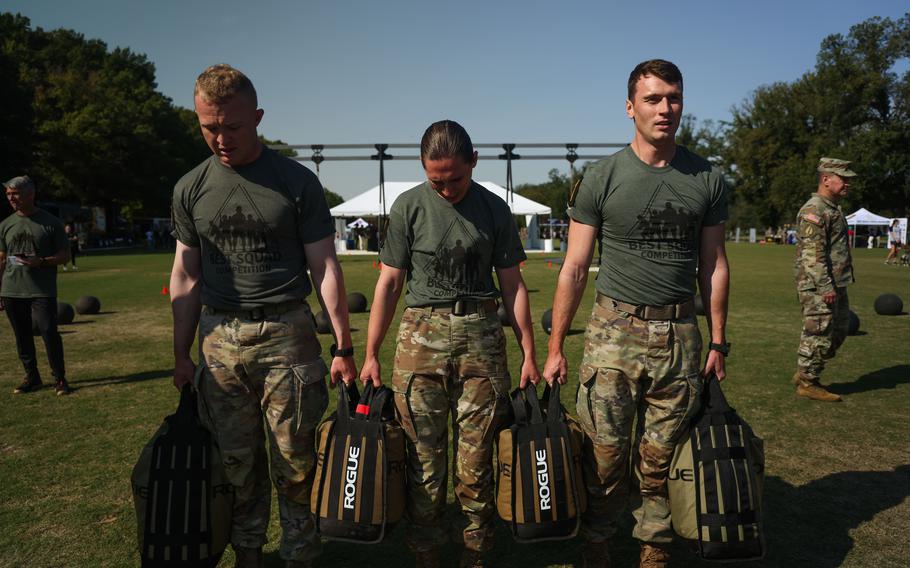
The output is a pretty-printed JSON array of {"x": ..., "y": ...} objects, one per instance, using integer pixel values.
[
  {"x": 346, "y": 352},
  {"x": 722, "y": 348}
]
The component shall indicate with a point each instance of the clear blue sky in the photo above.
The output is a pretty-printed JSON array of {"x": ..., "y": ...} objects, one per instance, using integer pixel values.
[{"x": 343, "y": 71}]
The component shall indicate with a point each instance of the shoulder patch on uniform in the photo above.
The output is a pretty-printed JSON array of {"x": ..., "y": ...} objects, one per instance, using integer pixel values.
[
  {"x": 574, "y": 192},
  {"x": 812, "y": 218}
]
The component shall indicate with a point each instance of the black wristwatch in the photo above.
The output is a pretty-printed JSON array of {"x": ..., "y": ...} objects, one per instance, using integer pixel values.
[
  {"x": 722, "y": 348},
  {"x": 347, "y": 352}
]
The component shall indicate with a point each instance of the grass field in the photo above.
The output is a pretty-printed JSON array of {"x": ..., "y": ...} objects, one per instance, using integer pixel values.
[{"x": 838, "y": 475}]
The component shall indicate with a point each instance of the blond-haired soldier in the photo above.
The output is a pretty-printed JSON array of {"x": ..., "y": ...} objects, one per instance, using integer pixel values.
[{"x": 248, "y": 224}]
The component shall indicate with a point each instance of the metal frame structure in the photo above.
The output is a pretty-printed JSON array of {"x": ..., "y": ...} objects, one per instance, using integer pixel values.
[{"x": 508, "y": 155}]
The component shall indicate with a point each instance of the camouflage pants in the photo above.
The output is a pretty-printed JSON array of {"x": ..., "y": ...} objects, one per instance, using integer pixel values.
[
  {"x": 444, "y": 364},
  {"x": 639, "y": 382},
  {"x": 824, "y": 330},
  {"x": 269, "y": 368}
]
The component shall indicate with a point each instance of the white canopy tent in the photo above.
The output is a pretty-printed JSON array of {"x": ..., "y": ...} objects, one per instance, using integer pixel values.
[
  {"x": 370, "y": 203},
  {"x": 863, "y": 216}
]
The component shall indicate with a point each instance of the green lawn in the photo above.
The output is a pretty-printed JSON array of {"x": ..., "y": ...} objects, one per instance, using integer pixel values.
[{"x": 838, "y": 475}]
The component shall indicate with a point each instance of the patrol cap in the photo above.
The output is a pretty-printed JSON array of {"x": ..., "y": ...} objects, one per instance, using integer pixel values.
[
  {"x": 20, "y": 182},
  {"x": 835, "y": 166}
]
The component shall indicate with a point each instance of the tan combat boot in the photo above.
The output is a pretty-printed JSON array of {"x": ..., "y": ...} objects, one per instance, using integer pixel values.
[
  {"x": 427, "y": 558},
  {"x": 817, "y": 392},
  {"x": 471, "y": 559},
  {"x": 248, "y": 557},
  {"x": 810, "y": 388},
  {"x": 595, "y": 555},
  {"x": 653, "y": 556}
]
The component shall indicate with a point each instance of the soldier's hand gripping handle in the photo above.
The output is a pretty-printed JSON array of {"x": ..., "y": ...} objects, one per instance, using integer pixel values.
[
  {"x": 371, "y": 372},
  {"x": 184, "y": 369},
  {"x": 556, "y": 368}
]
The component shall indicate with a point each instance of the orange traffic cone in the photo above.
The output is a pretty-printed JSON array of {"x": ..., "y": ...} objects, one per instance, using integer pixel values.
[{"x": 164, "y": 291}]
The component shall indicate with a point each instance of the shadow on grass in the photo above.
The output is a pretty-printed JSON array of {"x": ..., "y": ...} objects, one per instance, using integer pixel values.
[
  {"x": 887, "y": 378},
  {"x": 116, "y": 380},
  {"x": 810, "y": 525}
]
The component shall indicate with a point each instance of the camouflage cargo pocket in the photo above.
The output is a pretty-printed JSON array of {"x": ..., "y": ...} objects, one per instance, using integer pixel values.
[
  {"x": 499, "y": 416},
  {"x": 312, "y": 396},
  {"x": 584, "y": 398},
  {"x": 818, "y": 324},
  {"x": 693, "y": 403}
]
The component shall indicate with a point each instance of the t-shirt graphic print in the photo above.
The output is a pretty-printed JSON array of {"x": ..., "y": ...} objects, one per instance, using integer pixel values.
[
  {"x": 243, "y": 241},
  {"x": 455, "y": 268}
]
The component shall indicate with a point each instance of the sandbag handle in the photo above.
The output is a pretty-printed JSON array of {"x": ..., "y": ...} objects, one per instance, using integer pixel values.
[
  {"x": 530, "y": 395},
  {"x": 713, "y": 399},
  {"x": 187, "y": 409},
  {"x": 348, "y": 395},
  {"x": 521, "y": 402},
  {"x": 362, "y": 408},
  {"x": 380, "y": 399},
  {"x": 554, "y": 405}
]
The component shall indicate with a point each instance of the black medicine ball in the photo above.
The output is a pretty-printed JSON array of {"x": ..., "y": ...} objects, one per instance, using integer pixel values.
[
  {"x": 889, "y": 305},
  {"x": 65, "y": 313},
  {"x": 88, "y": 305},
  {"x": 546, "y": 321},
  {"x": 853, "y": 326},
  {"x": 357, "y": 303}
]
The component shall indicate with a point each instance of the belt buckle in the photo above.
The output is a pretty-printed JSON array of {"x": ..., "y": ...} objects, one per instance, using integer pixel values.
[
  {"x": 458, "y": 308},
  {"x": 257, "y": 314}
]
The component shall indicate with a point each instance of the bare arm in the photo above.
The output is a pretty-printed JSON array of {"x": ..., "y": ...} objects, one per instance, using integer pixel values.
[
  {"x": 329, "y": 283},
  {"x": 518, "y": 307},
  {"x": 714, "y": 285},
  {"x": 186, "y": 303},
  {"x": 385, "y": 298},
  {"x": 573, "y": 277}
]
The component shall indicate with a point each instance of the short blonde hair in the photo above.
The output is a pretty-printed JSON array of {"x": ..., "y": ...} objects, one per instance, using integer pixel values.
[{"x": 221, "y": 82}]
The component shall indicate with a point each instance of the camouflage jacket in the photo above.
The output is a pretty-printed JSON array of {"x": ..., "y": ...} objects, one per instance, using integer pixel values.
[{"x": 823, "y": 259}]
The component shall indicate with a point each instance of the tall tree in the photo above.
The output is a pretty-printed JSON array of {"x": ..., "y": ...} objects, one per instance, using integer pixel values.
[{"x": 853, "y": 105}]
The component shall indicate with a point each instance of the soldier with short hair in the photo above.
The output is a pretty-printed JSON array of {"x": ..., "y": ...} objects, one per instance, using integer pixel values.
[
  {"x": 244, "y": 286},
  {"x": 32, "y": 245},
  {"x": 642, "y": 355},
  {"x": 823, "y": 270},
  {"x": 445, "y": 238}
]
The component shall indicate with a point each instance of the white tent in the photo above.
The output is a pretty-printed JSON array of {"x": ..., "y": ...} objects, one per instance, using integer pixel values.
[
  {"x": 865, "y": 217},
  {"x": 369, "y": 203}
]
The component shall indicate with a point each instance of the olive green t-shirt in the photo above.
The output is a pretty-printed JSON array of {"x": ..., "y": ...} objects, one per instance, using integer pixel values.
[
  {"x": 39, "y": 234},
  {"x": 649, "y": 221},
  {"x": 251, "y": 223},
  {"x": 450, "y": 250}
]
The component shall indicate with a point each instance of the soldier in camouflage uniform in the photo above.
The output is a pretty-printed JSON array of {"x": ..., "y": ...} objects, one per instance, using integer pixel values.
[
  {"x": 445, "y": 237},
  {"x": 659, "y": 212},
  {"x": 248, "y": 224},
  {"x": 823, "y": 271}
]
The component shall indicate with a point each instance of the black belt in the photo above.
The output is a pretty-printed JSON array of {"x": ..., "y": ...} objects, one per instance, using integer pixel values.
[
  {"x": 256, "y": 314},
  {"x": 462, "y": 307},
  {"x": 645, "y": 312}
]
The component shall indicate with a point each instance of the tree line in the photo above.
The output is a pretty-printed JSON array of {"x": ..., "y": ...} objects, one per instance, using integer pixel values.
[
  {"x": 854, "y": 104},
  {"x": 89, "y": 124}
]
